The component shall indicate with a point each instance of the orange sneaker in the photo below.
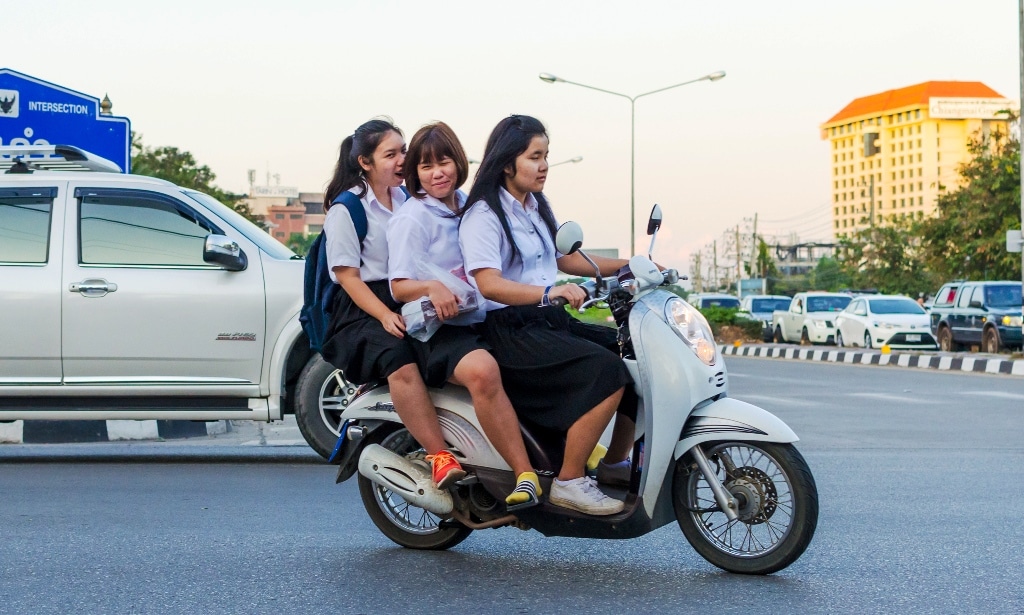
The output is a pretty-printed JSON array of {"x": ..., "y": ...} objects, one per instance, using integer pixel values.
[{"x": 446, "y": 468}]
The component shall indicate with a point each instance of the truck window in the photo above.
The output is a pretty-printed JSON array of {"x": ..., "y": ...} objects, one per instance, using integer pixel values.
[
  {"x": 25, "y": 225},
  {"x": 1003, "y": 296},
  {"x": 769, "y": 305},
  {"x": 827, "y": 304},
  {"x": 946, "y": 295},
  {"x": 136, "y": 228},
  {"x": 965, "y": 297}
]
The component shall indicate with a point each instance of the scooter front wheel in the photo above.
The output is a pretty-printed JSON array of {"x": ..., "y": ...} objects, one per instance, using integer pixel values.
[
  {"x": 405, "y": 524},
  {"x": 776, "y": 502}
]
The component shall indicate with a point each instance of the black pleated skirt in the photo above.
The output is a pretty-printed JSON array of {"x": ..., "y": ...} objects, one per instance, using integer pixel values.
[
  {"x": 438, "y": 356},
  {"x": 554, "y": 368},
  {"x": 357, "y": 343}
]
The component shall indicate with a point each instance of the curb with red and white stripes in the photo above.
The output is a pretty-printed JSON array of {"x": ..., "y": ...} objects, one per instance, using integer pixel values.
[{"x": 974, "y": 364}]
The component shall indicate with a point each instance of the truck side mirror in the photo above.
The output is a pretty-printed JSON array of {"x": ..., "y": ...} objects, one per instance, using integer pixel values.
[{"x": 223, "y": 251}]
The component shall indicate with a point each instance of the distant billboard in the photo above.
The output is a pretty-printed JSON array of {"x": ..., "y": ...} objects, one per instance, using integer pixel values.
[
  {"x": 969, "y": 108},
  {"x": 275, "y": 191}
]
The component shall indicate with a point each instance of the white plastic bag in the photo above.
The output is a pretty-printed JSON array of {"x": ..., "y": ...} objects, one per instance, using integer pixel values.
[{"x": 420, "y": 318}]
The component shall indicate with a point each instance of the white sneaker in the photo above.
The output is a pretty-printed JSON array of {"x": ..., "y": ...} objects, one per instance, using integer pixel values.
[{"x": 583, "y": 495}]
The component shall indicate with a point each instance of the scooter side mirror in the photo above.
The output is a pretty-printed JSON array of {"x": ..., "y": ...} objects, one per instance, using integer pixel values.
[
  {"x": 569, "y": 237},
  {"x": 654, "y": 222}
]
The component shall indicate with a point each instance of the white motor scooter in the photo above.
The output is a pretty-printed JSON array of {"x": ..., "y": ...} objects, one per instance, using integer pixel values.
[{"x": 725, "y": 470}]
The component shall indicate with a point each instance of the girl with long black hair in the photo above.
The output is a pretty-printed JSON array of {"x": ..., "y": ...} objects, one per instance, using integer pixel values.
[
  {"x": 559, "y": 373},
  {"x": 366, "y": 336}
]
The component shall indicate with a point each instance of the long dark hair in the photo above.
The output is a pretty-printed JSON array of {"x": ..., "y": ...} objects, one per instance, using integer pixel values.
[
  {"x": 347, "y": 172},
  {"x": 510, "y": 138}
]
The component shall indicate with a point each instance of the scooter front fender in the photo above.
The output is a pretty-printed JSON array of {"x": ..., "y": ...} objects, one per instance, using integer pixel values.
[{"x": 732, "y": 419}]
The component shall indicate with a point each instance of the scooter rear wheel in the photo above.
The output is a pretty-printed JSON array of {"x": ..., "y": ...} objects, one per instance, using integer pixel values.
[
  {"x": 777, "y": 503},
  {"x": 405, "y": 524}
]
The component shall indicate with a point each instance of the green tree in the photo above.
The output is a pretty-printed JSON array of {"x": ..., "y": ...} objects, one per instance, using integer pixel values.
[
  {"x": 300, "y": 243},
  {"x": 180, "y": 167},
  {"x": 886, "y": 258},
  {"x": 828, "y": 275},
  {"x": 967, "y": 239}
]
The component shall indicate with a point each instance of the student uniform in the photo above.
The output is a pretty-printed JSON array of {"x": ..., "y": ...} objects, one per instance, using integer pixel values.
[
  {"x": 357, "y": 343},
  {"x": 425, "y": 230},
  {"x": 554, "y": 368}
]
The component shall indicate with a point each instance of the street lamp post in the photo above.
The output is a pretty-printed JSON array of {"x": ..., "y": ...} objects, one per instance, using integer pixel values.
[
  {"x": 549, "y": 78},
  {"x": 572, "y": 160}
]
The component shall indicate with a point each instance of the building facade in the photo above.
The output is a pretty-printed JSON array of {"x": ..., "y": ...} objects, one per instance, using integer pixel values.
[{"x": 894, "y": 152}]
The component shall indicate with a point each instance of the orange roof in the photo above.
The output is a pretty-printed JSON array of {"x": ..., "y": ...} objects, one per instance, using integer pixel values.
[{"x": 913, "y": 95}]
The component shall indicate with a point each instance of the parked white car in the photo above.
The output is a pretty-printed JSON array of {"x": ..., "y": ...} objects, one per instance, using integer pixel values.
[
  {"x": 810, "y": 318},
  {"x": 872, "y": 321},
  {"x": 128, "y": 297}
]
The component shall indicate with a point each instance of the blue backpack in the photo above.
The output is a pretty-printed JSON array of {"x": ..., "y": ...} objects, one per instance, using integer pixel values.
[{"x": 319, "y": 290}]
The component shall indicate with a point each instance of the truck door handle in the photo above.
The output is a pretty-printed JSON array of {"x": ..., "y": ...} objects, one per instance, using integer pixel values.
[{"x": 93, "y": 287}]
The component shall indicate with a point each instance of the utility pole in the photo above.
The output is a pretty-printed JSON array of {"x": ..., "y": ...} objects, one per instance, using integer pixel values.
[
  {"x": 714, "y": 258},
  {"x": 1020, "y": 10},
  {"x": 698, "y": 278},
  {"x": 739, "y": 268}
]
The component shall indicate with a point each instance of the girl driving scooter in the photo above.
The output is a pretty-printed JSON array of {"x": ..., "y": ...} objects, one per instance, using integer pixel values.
[{"x": 557, "y": 377}]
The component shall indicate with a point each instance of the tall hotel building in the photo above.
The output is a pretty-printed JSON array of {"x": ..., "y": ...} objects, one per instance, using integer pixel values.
[{"x": 892, "y": 152}]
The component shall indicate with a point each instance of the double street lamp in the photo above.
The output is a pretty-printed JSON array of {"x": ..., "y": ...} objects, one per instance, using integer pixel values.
[{"x": 549, "y": 78}]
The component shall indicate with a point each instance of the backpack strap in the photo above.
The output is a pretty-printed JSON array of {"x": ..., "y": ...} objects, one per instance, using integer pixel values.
[{"x": 355, "y": 211}]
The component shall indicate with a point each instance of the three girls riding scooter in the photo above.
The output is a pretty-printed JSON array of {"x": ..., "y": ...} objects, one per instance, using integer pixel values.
[{"x": 726, "y": 471}]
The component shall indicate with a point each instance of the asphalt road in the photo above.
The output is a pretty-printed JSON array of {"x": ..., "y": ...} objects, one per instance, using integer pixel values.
[{"x": 914, "y": 468}]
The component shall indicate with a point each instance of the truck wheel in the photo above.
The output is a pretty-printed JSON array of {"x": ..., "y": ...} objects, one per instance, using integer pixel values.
[
  {"x": 946, "y": 342},
  {"x": 805, "y": 340},
  {"x": 321, "y": 396},
  {"x": 990, "y": 341},
  {"x": 777, "y": 338}
]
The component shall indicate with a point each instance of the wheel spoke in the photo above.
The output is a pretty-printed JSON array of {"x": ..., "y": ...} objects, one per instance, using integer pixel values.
[{"x": 759, "y": 530}]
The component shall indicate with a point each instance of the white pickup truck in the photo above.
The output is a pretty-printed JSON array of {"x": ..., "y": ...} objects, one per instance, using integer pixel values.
[
  {"x": 127, "y": 297},
  {"x": 810, "y": 318}
]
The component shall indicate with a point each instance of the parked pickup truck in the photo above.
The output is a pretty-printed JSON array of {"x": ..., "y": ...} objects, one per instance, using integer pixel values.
[
  {"x": 984, "y": 314},
  {"x": 810, "y": 318},
  {"x": 128, "y": 297}
]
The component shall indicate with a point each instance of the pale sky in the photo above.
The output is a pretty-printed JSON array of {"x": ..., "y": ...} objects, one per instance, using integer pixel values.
[{"x": 275, "y": 86}]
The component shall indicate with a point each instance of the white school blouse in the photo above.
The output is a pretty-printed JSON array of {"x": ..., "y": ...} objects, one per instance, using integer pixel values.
[
  {"x": 343, "y": 242},
  {"x": 485, "y": 246},
  {"x": 426, "y": 230}
]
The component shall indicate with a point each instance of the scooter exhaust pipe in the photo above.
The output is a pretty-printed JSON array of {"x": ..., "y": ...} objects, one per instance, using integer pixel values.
[{"x": 407, "y": 479}]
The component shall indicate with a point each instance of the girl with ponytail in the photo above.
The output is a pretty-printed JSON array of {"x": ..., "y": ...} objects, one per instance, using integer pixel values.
[{"x": 366, "y": 339}]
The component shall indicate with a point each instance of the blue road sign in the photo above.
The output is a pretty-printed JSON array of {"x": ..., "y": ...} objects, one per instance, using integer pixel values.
[{"x": 36, "y": 112}]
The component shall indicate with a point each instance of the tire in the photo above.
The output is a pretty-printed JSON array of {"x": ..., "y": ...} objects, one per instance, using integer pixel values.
[
  {"x": 321, "y": 395},
  {"x": 946, "y": 342},
  {"x": 990, "y": 341},
  {"x": 805, "y": 340},
  {"x": 406, "y": 525},
  {"x": 778, "y": 506},
  {"x": 777, "y": 338},
  {"x": 839, "y": 338},
  {"x": 867, "y": 339}
]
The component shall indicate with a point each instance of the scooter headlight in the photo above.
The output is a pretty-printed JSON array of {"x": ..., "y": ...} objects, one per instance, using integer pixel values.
[{"x": 691, "y": 326}]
